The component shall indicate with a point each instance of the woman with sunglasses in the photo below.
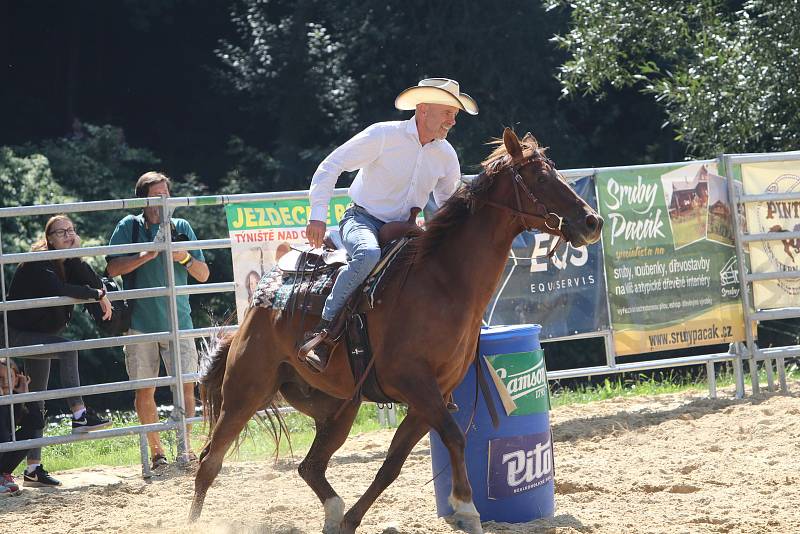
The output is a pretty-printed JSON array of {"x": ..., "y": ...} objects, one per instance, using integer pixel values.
[{"x": 71, "y": 277}]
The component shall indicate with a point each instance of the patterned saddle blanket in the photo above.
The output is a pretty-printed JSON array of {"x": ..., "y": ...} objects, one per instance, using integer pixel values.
[{"x": 305, "y": 290}]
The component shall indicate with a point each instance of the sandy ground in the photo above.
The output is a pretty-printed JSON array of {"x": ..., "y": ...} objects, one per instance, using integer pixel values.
[{"x": 665, "y": 464}]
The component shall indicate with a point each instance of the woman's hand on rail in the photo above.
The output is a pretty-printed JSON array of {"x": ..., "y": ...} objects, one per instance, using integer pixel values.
[{"x": 105, "y": 305}]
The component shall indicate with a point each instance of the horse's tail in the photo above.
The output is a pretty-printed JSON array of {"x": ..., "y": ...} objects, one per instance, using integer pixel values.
[{"x": 213, "y": 360}]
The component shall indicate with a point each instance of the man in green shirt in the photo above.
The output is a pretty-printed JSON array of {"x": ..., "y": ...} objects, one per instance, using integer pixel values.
[{"x": 147, "y": 269}]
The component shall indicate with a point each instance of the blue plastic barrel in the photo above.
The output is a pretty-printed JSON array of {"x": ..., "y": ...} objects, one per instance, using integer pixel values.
[{"x": 510, "y": 468}]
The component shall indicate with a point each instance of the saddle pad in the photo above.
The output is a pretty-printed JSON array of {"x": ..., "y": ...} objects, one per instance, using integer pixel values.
[
  {"x": 277, "y": 288},
  {"x": 280, "y": 288}
]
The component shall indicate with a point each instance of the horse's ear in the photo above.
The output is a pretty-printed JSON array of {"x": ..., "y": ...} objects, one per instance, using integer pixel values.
[
  {"x": 530, "y": 139},
  {"x": 511, "y": 143}
]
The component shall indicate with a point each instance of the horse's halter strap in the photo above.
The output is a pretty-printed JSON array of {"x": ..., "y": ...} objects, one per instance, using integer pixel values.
[{"x": 551, "y": 220}]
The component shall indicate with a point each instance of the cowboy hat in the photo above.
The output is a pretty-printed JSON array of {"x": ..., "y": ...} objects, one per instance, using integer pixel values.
[{"x": 436, "y": 91}]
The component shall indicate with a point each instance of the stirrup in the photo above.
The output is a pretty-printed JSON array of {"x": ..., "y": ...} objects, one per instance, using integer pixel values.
[{"x": 311, "y": 343}]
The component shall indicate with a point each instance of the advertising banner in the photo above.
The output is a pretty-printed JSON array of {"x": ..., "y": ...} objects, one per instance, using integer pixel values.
[
  {"x": 669, "y": 257},
  {"x": 521, "y": 381},
  {"x": 566, "y": 294},
  {"x": 518, "y": 464},
  {"x": 261, "y": 232},
  {"x": 773, "y": 216}
]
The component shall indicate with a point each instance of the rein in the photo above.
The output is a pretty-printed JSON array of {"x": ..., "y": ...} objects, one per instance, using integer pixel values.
[{"x": 551, "y": 220}]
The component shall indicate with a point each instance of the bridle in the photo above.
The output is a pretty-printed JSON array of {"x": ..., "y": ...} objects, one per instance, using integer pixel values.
[{"x": 552, "y": 220}]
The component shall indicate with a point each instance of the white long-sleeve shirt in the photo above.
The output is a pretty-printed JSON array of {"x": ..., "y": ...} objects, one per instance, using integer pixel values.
[{"x": 396, "y": 173}]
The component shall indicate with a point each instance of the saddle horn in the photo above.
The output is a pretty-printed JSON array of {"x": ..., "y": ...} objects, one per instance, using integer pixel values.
[{"x": 397, "y": 229}]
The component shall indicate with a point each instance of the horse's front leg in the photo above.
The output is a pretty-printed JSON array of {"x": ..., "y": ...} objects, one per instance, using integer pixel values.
[
  {"x": 405, "y": 438},
  {"x": 331, "y": 433},
  {"x": 465, "y": 515}
]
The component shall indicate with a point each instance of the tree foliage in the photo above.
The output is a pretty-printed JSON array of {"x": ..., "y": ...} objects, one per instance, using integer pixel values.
[
  {"x": 313, "y": 74},
  {"x": 25, "y": 180},
  {"x": 726, "y": 72}
]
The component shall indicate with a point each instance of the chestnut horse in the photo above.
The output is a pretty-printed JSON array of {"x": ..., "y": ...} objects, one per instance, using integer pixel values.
[{"x": 423, "y": 341}]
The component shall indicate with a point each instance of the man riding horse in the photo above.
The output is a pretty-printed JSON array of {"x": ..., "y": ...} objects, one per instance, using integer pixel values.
[{"x": 400, "y": 164}]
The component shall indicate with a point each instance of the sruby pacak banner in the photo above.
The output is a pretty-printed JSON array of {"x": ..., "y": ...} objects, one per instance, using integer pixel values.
[{"x": 669, "y": 257}]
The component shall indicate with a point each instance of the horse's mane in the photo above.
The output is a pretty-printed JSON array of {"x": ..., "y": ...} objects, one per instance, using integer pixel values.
[{"x": 467, "y": 199}]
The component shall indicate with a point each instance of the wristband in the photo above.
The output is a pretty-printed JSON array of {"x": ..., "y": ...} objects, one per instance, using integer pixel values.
[{"x": 185, "y": 261}]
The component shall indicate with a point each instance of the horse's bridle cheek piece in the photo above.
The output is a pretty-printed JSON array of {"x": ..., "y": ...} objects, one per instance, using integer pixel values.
[{"x": 552, "y": 221}]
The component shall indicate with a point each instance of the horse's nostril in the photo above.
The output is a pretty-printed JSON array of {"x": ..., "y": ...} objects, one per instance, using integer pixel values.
[{"x": 592, "y": 222}]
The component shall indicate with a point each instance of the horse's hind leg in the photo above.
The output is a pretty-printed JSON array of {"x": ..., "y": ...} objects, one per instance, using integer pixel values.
[
  {"x": 331, "y": 433},
  {"x": 405, "y": 438}
]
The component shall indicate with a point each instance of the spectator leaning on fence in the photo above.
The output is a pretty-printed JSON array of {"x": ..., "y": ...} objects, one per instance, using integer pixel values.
[
  {"x": 150, "y": 315},
  {"x": 28, "y": 421},
  {"x": 37, "y": 279}
]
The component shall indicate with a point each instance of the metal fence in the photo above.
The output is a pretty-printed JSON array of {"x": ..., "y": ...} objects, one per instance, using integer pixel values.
[{"x": 736, "y": 353}]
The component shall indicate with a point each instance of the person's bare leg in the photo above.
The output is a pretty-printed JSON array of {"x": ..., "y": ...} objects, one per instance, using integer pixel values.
[
  {"x": 188, "y": 402},
  {"x": 145, "y": 404}
]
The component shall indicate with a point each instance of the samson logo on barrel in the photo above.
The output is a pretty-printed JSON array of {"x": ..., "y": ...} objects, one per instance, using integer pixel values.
[
  {"x": 524, "y": 378},
  {"x": 518, "y": 464}
]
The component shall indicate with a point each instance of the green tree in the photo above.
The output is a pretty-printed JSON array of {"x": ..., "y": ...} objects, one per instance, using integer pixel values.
[
  {"x": 316, "y": 74},
  {"x": 726, "y": 72},
  {"x": 292, "y": 67},
  {"x": 25, "y": 179}
]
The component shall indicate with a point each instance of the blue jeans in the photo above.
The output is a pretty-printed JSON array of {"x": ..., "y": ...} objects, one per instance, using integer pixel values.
[{"x": 359, "y": 232}]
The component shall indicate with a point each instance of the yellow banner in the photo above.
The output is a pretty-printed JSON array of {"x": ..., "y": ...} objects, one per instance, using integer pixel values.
[
  {"x": 723, "y": 324},
  {"x": 774, "y": 216}
]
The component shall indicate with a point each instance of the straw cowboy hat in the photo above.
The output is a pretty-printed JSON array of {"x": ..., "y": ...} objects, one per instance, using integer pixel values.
[{"x": 436, "y": 91}]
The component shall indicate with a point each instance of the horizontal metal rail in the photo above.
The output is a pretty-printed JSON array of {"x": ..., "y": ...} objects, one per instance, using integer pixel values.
[
  {"x": 106, "y": 342},
  {"x": 584, "y": 335},
  {"x": 784, "y": 275},
  {"x": 169, "y": 424},
  {"x": 85, "y": 344},
  {"x": 44, "y": 255},
  {"x": 135, "y": 203},
  {"x": 97, "y": 434},
  {"x": 95, "y": 389},
  {"x": 770, "y": 236},
  {"x": 641, "y": 366},
  {"x": 738, "y": 159},
  {"x": 49, "y": 302},
  {"x": 780, "y": 313}
]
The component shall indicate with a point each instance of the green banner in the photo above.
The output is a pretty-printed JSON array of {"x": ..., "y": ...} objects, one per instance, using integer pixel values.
[
  {"x": 261, "y": 232},
  {"x": 669, "y": 256},
  {"x": 521, "y": 380},
  {"x": 279, "y": 214}
]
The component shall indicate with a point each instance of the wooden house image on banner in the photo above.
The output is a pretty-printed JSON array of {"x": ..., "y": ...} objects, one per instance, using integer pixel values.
[{"x": 687, "y": 194}]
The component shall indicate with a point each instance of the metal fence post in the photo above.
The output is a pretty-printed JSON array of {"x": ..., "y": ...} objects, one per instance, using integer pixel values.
[
  {"x": 712, "y": 380},
  {"x": 6, "y": 344},
  {"x": 179, "y": 402}
]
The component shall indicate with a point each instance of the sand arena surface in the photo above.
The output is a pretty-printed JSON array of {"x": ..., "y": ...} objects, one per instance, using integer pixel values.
[{"x": 665, "y": 464}]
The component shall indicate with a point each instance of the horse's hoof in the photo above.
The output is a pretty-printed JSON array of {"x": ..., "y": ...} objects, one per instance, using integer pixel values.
[
  {"x": 469, "y": 523},
  {"x": 334, "y": 513},
  {"x": 345, "y": 528}
]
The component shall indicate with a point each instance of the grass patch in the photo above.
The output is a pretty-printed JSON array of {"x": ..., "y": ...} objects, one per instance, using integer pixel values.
[
  {"x": 632, "y": 385},
  {"x": 257, "y": 444}
]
